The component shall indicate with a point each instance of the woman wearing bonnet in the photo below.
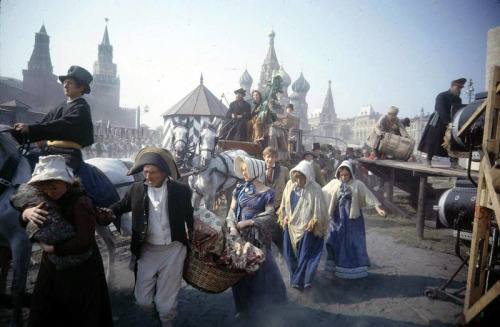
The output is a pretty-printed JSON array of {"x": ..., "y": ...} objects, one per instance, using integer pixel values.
[
  {"x": 252, "y": 217},
  {"x": 304, "y": 220},
  {"x": 346, "y": 243},
  {"x": 78, "y": 295}
]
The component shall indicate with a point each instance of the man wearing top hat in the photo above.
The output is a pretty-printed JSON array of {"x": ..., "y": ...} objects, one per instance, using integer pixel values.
[
  {"x": 161, "y": 210},
  {"x": 447, "y": 103},
  {"x": 240, "y": 113},
  {"x": 67, "y": 128}
]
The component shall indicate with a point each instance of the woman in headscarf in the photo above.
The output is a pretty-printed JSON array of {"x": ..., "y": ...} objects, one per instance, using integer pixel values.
[
  {"x": 76, "y": 295},
  {"x": 346, "y": 243},
  {"x": 252, "y": 217},
  {"x": 304, "y": 220}
]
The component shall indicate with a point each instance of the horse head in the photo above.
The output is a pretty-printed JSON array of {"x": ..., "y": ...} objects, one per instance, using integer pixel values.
[
  {"x": 180, "y": 135},
  {"x": 8, "y": 146},
  {"x": 206, "y": 143}
]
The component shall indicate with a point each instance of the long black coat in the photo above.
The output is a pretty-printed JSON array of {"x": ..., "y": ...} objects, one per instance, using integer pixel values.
[
  {"x": 432, "y": 138},
  {"x": 237, "y": 129},
  {"x": 180, "y": 212},
  {"x": 67, "y": 122}
]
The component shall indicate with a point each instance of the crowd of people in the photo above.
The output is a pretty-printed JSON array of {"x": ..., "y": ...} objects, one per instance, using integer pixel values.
[{"x": 295, "y": 207}]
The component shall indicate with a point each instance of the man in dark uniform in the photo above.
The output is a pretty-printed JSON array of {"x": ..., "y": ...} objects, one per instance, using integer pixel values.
[
  {"x": 67, "y": 128},
  {"x": 240, "y": 113},
  {"x": 447, "y": 103}
]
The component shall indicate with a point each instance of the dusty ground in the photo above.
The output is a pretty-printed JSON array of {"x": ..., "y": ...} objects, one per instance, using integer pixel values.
[{"x": 402, "y": 267}]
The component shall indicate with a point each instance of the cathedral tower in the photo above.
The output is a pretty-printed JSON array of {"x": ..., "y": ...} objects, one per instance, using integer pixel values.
[
  {"x": 246, "y": 84},
  {"x": 328, "y": 118},
  {"x": 270, "y": 64},
  {"x": 300, "y": 88},
  {"x": 105, "y": 94},
  {"x": 38, "y": 78},
  {"x": 283, "y": 98}
]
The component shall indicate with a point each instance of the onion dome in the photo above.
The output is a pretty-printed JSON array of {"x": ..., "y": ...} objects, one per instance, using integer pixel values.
[
  {"x": 286, "y": 78},
  {"x": 246, "y": 79},
  {"x": 301, "y": 85}
]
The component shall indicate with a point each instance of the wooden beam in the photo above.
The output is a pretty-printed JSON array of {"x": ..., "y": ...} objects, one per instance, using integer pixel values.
[
  {"x": 421, "y": 207},
  {"x": 472, "y": 118},
  {"x": 483, "y": 302}
]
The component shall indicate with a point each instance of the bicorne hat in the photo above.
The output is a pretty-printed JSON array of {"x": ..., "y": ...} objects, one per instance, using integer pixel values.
[
  {"x": 160, "y": 158},
  {"x": 81, "y": 75}
]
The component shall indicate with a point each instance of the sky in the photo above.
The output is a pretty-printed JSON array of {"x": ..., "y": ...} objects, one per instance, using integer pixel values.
[{"x": 375, "y": 52}]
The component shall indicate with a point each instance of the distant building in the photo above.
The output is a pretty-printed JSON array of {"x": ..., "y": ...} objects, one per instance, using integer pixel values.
[
  {"x": 40, "y": 90},
  {"x": 323, "y": 121},
  {"x": 300, "y": 88}
]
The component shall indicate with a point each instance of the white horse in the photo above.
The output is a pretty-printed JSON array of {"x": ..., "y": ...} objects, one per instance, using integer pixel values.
[
  {"x": 12, "y": 235},
  {"x": 179, "y": 142},
  {"x": 214, "y": 171}
]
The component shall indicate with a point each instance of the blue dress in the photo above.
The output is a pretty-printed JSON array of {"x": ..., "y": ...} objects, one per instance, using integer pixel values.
[
  {"x": 253, "y": 292},
  {"x": 302, "y": 266},
  {"x": 346, "y": 243}
]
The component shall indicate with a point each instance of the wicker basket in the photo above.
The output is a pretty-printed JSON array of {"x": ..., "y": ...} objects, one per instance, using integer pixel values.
[{"x": 207, "y": 278}]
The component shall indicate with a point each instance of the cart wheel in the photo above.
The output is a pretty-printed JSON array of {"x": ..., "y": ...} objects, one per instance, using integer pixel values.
[{"x": 431, "y": 293}]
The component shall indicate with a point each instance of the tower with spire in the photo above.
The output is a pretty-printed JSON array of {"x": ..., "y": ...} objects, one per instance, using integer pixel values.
[
  {"x": 328, "y": 117},
  {"x": 283, "y": 98},
  {"x": 246, "y": 82},
  {"x": 300, "y": 88},
  {"x": 270, "y": 64},
  {"x": 105, "y": 94},
  {"x": 39, "y": 78}
]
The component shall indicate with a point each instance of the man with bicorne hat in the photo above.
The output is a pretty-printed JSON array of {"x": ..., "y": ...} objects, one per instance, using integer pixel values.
[
  {"x": 67, "y": 128},
  {"x": 161, "y": 210},
  {"x": 240, "y": 113},
  {"x": 447, "y": 103}
]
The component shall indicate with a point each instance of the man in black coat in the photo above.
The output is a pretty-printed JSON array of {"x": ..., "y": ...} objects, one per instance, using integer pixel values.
[
  {"x": 447, "y": 103},
  {"x": 240, "y": 113},
  {"x": 67, "y": 128},
  {"x": 161, "y": 209}
]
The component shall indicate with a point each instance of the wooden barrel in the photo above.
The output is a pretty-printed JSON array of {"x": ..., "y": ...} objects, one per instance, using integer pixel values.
[{"x": 396, "y": 146}]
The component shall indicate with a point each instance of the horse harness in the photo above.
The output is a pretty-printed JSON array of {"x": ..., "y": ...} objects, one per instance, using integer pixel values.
[{"x": 7, "y": 173}]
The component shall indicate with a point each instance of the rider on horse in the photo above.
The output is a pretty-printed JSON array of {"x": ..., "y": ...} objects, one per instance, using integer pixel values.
[{"x": 68, "y": 127}]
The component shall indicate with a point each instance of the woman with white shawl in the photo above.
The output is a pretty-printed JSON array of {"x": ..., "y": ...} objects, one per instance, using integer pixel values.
[
  {"x": 304, "y": 220},
  {"x": 346, "y": 243}
]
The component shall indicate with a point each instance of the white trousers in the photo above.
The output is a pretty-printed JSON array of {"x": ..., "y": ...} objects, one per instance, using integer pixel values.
[{"x": 159, "y": 277}]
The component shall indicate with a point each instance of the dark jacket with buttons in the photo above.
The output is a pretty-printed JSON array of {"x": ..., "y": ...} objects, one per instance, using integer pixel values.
[{"x": 180, "y": 212}]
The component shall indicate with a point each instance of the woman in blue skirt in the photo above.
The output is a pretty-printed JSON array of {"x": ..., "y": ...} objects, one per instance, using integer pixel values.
[
  {"x": 304, "y": 219},
  {"x": 346, "y": 243}
]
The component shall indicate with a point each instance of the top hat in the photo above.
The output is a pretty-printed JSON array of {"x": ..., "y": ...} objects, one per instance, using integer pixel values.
[
  {"x": 240, "y": 91},
  {"x": 316, "y": 146},
  {"x": 79, "y": 74}
]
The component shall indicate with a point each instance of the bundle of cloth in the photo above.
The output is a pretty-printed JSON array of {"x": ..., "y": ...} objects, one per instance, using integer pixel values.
[
  {"x": 213, "y": 244},
  {"x": 54, "y": 230}
]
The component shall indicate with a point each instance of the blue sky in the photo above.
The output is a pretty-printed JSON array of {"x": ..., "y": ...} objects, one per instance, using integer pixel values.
[{"x": 382, "y": 53}]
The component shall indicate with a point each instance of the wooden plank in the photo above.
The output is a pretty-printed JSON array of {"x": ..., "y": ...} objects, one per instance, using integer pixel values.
[
  {"x": 483, "y": 302},
  {"x": 391, "y": 207},
  {"x": 421, "y": 207},
  {"x": 489, "y": 184},
  {"x": 475, "y": 301},
  {"x": 479, "y": 111}
]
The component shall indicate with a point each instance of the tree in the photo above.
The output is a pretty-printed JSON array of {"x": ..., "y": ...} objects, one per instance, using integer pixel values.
[{"x": 345, "y": 132}]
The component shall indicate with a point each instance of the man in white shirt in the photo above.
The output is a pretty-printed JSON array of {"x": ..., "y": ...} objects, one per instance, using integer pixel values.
[{"x": 161, "y": 208}]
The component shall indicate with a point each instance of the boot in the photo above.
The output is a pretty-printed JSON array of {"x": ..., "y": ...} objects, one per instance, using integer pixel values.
[{"x": 428, "y": 163}]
